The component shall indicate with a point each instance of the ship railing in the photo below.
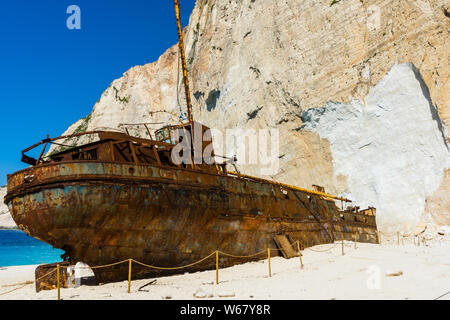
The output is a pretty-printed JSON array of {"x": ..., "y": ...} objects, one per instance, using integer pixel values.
[
  {"x": 146, "y": 125},
  {"x": 47, "y": 141},
  {"x": 287, "y": 186}
]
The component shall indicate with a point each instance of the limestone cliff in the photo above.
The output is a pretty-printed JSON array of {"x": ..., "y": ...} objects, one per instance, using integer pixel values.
[
  {"x": 358, "y": 91},
  {"x": 6, "y": 221}
]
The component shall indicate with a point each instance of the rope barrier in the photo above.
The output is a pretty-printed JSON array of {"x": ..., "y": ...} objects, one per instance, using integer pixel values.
[
  {"x": 317, "y": 250},
  {"x": 102, "y": 266},
  {"x": 174, "y": 268},
  {"x": 48, "y": 273},
  {"x": 388, "y": 234},
  {"x": 45, "y": 275},
  {"x": 248, "y": 256},
  {"x": 17, "y": 284},
  {"x": 408, "y": 235},
  {"x": 14, "y": 289},
  {"x": 216, "y": 253}
]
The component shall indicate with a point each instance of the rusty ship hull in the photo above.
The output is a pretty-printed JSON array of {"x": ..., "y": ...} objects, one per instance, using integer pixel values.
[
  {"x": 124, "y": 197},
  {"x": 105, "y": 212}
]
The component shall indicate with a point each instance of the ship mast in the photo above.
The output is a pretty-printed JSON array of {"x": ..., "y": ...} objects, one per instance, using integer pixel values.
[{"x": 183, "y": 60}]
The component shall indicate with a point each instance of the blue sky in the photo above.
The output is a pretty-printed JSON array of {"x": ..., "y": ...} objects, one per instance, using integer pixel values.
[{"x": 52, "y": 76}]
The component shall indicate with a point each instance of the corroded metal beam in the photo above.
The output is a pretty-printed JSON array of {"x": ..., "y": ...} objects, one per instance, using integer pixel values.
[
  {"x": 183, "y": 60},
  {"x": 322, "y": 194}
]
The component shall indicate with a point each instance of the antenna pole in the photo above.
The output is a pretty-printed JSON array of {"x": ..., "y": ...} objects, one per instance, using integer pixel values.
[{"x": 183, "y": 60}]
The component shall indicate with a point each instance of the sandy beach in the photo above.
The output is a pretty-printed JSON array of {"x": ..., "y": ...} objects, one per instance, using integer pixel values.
[{"x": 370, "y": 271}]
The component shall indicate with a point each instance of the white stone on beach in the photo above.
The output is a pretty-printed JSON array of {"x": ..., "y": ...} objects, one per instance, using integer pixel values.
[
  {"x": 226, "y": 294},
  {"x": 200, "y": 293},
  {"x": 82, "y": 273}
]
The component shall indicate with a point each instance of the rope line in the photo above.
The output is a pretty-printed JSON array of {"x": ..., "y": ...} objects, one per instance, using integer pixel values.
[
  {"x": 48, "y": 273},
  {"x": 174, "y": 268},
  {"x": 216, "y": 253},
  {"x": 251, "y": 255},
  {"x": 102, "y": 266},
  {"x": 171, "y": 268},
  {"x": 388, "y": 234},
  {"x": 14, "y": 289},
  {"x": 317, "y": 250},
  {"x": 408, "y": 235}
]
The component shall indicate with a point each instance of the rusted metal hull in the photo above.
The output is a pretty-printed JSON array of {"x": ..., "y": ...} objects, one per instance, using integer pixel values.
[{"x": 104, "y": 212}]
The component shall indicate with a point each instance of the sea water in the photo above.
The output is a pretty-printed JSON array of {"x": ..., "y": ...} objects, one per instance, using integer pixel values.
[{"x": 17, "y": 248}]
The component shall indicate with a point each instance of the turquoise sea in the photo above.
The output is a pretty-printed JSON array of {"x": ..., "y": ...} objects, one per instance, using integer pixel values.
[{"x": 16, "y": 248}]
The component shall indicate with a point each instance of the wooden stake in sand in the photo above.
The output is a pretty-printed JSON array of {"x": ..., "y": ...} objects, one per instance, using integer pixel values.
[
  {"x": 217, "y": 266},
  {"x": 268, "y": 258},
  {"x": 129, "y": 275},
  {"x": 57, "y": 281},
  {"x": 299, "y": 254}
]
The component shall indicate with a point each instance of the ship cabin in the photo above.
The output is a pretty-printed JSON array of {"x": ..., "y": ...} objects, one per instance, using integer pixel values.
[{"x": 184, "y": 145}]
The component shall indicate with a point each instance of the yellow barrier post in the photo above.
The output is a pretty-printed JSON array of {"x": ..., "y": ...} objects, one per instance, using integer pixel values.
[
  {"x": 268, "y": 256},
  {"x": 398, "y": 238},
  {"x": 217, "y": 266},
  {"x": 299, "y": 254},
  {"x": 379, "y": 237},
  {"x": 57, "y": 281},
  {"x": 342, "y": 245},
  {"x": 129, "y": 275},
  {"x": 355, "y": 239}
]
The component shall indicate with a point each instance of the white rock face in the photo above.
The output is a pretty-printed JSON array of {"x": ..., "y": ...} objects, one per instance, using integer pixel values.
[
  {"x": 388, "y": 162},
  {"x": 6, "y": 221}
]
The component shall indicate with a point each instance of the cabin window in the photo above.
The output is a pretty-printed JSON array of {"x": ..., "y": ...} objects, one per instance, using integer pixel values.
[
  {"x": 85, "y": 155},
  {"x": 167, "y": 135}
]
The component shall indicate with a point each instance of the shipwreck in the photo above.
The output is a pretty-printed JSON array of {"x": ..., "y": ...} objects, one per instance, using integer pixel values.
[{"x": 123, "y": 197}]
